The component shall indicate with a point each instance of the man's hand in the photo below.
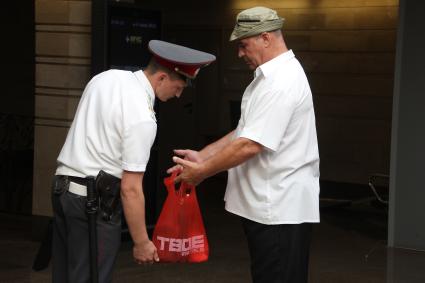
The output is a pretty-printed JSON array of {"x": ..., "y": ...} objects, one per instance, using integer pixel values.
[
  {"x": 145, "y": 253},
  {"x": 192, "y": 172},
  {"x": 187, "y": 154}
]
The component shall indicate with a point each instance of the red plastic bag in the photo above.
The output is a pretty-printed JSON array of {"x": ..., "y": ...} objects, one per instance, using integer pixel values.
[{"x": 179, "y": 234}]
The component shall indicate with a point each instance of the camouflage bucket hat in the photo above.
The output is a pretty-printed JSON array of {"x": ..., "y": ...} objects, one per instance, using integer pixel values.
[{"x": 254, "y": 21}]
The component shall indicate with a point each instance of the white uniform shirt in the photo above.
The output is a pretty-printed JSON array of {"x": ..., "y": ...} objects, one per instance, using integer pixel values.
[
  {"x": 114, "y": 126},
  {"x": 280, "y": 185}
]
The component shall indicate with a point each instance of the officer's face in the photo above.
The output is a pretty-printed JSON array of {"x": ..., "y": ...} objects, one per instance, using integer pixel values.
[
  {"x": 250, "y": 50},
  {"x": 170, "y": 86}
]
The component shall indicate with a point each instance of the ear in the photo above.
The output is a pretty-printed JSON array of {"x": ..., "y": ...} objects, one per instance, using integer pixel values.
[
  {"x": 162, "y": 76},
  {"x": 266, "y": 36},
  {"x": 158, "y": 79}
]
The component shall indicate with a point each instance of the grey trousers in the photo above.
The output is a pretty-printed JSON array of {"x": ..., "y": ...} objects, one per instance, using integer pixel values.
[{"x": 70, "y": 249}]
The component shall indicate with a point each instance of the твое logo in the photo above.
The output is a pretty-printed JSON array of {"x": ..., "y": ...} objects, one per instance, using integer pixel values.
[{"x": 186, "y": 246}]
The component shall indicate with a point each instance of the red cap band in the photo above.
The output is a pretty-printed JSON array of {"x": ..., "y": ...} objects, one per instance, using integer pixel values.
[{"x": 189, "y": 71}]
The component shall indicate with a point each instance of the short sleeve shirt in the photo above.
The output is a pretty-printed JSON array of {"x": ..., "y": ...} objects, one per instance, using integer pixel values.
[
  {"x": 114, "y": 126},
  {"x": 280, "y": 185}
]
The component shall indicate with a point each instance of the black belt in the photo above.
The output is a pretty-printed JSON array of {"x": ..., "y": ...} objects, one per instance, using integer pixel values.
[{"x": 78, "y": 180}]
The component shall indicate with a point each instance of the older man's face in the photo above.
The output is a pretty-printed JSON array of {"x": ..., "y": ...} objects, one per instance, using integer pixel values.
[{"x": 251, "y": 51}]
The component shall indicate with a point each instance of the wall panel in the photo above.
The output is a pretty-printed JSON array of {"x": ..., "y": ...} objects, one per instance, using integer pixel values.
[
  {"x": 311, "y": 4},
  {"x": 62, "y": 69}
]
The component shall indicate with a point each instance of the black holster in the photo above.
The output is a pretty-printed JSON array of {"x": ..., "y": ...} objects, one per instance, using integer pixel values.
[{"x": 108, "y": 188}]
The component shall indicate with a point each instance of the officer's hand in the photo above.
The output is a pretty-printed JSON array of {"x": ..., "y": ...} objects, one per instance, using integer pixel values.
[{"x": 145, "y": 253}]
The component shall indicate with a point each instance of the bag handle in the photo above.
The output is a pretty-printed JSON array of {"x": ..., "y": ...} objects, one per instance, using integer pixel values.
[
  {"x": 183, "y": 190},
  {"x": 169, "y": 181},
  {"x": 186, "y": 189}
]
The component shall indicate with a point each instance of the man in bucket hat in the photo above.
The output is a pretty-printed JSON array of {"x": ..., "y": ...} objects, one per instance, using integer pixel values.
[
  {"x": 111, "y": 137},
  {"x": 271, "y": 157}
]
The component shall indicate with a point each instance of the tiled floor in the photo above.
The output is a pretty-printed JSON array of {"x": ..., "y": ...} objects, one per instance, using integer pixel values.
[{"x": 349, "y": 245}]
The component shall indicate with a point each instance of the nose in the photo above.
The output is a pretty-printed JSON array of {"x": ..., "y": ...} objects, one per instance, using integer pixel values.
[{"x": 240, "y": 53}]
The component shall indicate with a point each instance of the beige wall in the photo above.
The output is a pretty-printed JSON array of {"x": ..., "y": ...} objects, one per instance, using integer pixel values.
[
  {"x": 62, "y": 69},
  {"x": 347, "y": 48}
]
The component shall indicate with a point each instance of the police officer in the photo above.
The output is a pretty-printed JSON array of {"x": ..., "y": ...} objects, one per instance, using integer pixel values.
[{"x": 112, "y": 132}]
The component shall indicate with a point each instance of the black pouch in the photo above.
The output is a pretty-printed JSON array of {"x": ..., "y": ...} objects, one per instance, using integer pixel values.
[
  {"x": 60, "y": 184},
  {"x": 108, "y": 188}
]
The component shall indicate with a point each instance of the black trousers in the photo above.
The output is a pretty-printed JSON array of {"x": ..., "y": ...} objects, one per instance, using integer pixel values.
[
  {"x": 279, "y": 253},
  {"x": 70, "y": 249}
]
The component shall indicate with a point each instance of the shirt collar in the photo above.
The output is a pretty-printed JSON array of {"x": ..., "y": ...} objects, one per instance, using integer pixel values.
[
  {"x": 140, "y": 75},
  {"x": 268, "y": 68}
]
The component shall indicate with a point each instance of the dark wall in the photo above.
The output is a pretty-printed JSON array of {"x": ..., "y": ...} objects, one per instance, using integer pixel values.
[{"x": 16, "y": 105}]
